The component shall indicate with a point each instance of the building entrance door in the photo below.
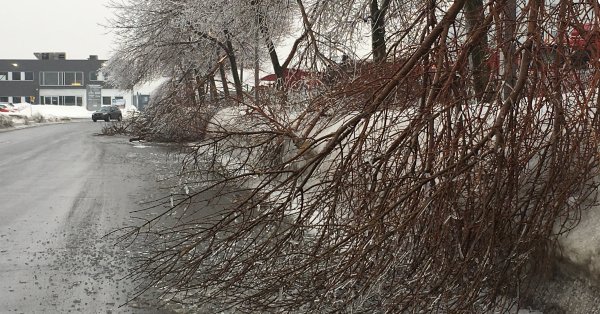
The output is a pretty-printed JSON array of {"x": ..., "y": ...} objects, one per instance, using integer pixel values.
[{"x": 51, "y": 100}]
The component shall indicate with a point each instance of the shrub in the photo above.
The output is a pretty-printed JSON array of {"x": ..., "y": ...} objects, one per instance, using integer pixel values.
[
  {"x": 38, "y": 118},
  {"x": 6, "y": 122},
  {"x": 115, "y": 128}
]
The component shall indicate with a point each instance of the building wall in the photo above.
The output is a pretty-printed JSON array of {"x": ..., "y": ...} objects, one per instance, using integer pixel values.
[
  {"x": 72, "y": 97},
  {"x": 31, "y": 80},
  {"x": 62, "y": 92},
  {"x": 33, "y": 86}
]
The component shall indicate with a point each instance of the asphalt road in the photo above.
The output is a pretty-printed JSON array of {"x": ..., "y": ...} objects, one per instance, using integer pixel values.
[{"x": 62, "y": 188}]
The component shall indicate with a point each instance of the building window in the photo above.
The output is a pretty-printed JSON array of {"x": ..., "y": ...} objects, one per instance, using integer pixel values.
[
  {"x": 94, "y": 76},
  {"x": 62, "y": 100},
  {"x": 73, "y": 78},
  {"x": 16, "y": 76},
  {"x": 61, "y": 78},
  {"x": 49, "y": 79},
  {"x": 70, "y": 101},
  {"x": 3, "y": 99},
  {"x": 70, "y": 78},
  {"x": 49, "y": 100},
  {"x": 16, "y": 99},
  {"x": 106, "y": 101}
]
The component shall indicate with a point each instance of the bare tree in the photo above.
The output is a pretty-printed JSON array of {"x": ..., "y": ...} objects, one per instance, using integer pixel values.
[
  {"x": 195, "y": 32},
  {"x": 396, "y": 188}
]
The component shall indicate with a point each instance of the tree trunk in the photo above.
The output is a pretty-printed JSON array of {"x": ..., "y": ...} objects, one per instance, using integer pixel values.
[
  {"x": 507, "y": 61},
  {"x": 214, "y": 94},
  {"x": 234, "y": 69},
  {"x": 477, "y": 56},
  {"x": 242, "y": 73},
  {"x": 275, "y": 62},
  {"x": 199, "y": 89},
  {"x": 378, "y": 30},
  {"x": 277, "y": 68},
  {"x": 224, "y": 81}
]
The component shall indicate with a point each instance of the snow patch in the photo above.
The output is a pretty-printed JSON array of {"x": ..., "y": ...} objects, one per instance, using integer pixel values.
[{"x": 51, "y": 111}]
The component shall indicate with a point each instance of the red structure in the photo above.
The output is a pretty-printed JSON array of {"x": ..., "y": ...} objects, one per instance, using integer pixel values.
[
  {"x": 295, "y": 78},
  {"x": 584, "y": 38}
]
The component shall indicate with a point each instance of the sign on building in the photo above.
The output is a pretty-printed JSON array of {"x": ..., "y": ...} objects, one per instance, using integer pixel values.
[
  {"x": 118, "y": 102},
  {"x": 94, "y": 97}
]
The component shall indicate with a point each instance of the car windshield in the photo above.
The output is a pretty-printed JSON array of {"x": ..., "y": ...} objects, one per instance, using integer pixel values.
[{"x": 104, "y": 109}]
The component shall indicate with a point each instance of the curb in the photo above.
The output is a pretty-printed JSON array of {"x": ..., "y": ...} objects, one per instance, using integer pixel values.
[{"x": 35, "y": 124}]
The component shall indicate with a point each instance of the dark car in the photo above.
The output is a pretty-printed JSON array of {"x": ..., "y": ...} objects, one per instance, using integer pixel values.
[{"x": 107, "y": 113}]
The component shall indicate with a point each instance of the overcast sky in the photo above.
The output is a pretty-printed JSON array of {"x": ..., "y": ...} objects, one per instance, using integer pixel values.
[{"x": 71, "y": 26}]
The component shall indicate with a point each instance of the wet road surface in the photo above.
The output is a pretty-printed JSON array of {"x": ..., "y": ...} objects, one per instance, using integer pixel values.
[{"x": 62, "y": 188}]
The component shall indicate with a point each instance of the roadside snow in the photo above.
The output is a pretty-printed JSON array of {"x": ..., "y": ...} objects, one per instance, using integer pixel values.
[
  {"x": 74, "y": 112},
  {"x": 49, "y": 113}
]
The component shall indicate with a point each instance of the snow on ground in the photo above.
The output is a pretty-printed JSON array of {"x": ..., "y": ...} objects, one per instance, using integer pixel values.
[
  {"x": 53, "y": 111},
  {"x": 25, "y": 111}
]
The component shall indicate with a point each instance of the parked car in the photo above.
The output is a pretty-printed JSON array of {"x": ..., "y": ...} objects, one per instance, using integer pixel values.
[
  {"x": 107, "y": 113},
  {"x": 7, "y": 107}
]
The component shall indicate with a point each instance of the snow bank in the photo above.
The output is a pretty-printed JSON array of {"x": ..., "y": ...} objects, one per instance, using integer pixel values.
[
  {"x": 51, "y": 111},
  {"x": 55, "y": 112},
  {"x": 26, "y": 113},
  {"x": 581, "y": 246}
]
